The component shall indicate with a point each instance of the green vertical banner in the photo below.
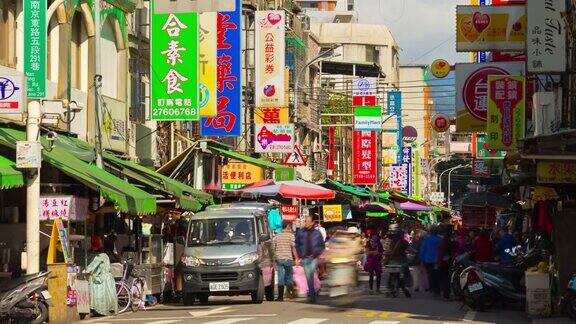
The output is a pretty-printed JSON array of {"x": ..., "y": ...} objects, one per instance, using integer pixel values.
[
  {"x": 35, "y": 47},
  {"x": 174, "y": 70},
  {"x": 417, "y": 174}
]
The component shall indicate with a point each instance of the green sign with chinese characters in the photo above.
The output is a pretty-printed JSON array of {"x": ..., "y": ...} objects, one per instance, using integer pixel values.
[
  {"x": 35, "y": 47},
  {"x": 482, "y": 151},
  {"x": 174, "y": 66}
]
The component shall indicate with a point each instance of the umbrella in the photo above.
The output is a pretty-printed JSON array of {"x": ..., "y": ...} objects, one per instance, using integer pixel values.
[
  {"x": 288, "y": 189},
  {"x": 410, "y": 206},
  {"x": 486, "y": 199}
]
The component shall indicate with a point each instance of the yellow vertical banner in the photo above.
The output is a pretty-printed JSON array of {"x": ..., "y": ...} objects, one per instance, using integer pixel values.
[{"x": 207, "y": 95}]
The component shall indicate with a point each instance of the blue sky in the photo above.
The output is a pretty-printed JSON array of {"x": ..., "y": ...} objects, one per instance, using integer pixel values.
[{"x": 424, "y": 30}]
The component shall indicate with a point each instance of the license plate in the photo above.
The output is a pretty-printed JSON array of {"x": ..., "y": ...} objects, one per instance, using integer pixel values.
[
  {"x": 46, "y": 294},
  {"x": 338, "y": 291},
  {"x": 219, "y": 286},
  {"x": 474, "y": 287}
]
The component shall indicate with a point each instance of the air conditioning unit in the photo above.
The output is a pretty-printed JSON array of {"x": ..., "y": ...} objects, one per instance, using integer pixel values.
[{"x": 547, "y": 112}]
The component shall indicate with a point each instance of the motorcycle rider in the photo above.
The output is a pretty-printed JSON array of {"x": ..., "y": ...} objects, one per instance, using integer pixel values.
[{"x": 398, "y": 257}]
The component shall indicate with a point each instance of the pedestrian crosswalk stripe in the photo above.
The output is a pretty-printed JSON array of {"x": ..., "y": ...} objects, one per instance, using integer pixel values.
[
  {"x": 384, "y": 322},
  {"x": 231, "y": 320},
  {"x": 308, "y": 321}
]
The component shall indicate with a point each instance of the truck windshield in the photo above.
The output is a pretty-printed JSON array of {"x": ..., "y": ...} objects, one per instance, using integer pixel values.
[{"x": 221, "y": 231}]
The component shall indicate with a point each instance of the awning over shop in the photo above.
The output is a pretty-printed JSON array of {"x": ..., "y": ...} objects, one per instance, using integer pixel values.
[
  {"x": 349, "y": 189},
  {"x": 123, "y": 195},
  {"x": 186, "y": 196},
  {"x": 282, "y": 172},
  {"x": 10, "y": 177}
]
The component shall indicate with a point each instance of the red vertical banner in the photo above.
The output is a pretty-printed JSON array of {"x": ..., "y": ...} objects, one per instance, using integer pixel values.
[
  {"x": 364, "y": 157},
  {"x": 331, "y": 150}
]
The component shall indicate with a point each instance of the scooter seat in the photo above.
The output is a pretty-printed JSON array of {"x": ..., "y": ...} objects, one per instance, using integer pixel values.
[{"x": 13, "y": 283}]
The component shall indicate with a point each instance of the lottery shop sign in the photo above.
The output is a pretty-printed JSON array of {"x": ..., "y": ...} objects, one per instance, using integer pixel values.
[
  {"x": 64, "y": 207},
  {"x": 269, "y": 58},
  {"x": 506, "y": 111},
  {"x": 472, "y": 91},
  {"x": 174, "y": 66},
  {"x": 227, "y": 121},
  {"x": 364, "y": 157}
]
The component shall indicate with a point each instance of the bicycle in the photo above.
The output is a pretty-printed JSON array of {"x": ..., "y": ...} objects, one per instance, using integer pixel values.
[{"x": 130, "y": 295}]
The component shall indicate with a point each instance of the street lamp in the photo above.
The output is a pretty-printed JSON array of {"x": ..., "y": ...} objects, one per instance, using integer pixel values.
[
  {"x": 431, "y": 166},
  {"x": 449, "y": 175},
  {"x": 326, "y": 55}
]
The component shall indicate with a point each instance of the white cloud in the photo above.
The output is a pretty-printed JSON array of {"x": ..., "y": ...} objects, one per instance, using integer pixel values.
[{"x": 418, "y": 26}]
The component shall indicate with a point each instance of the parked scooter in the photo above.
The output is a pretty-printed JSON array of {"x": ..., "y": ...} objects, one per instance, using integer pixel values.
[
  {"x": 475, "y": 293},
  {"x": 568, "y": 301},
  {"x": 460, "y": 263},
  {"x": 26, "y": 299}
]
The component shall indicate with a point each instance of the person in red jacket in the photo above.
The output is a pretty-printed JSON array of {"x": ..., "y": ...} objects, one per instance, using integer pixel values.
[{"x": 482, "y": 248}]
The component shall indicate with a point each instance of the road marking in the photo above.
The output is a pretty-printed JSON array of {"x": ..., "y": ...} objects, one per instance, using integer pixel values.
[
  {"x": 214, "y": 311},
  {"x": 470, "y": 315},
  {"x": 403, "y": 315},
  {"x": 164, "y": 322},
  {"x": 231, "y": 320},
  {"x": 242, "y": 315},
  {"x": 308, "y": 321},
  {"x": 384, "y": 322},
  {"x": 106, "y": 320},
  {"x": 384, "y": 314}
]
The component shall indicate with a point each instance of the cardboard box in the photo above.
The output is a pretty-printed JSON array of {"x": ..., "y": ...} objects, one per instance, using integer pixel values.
[
  {"x": 538, "y": 302},
  {"x": 536, "y": 280}
]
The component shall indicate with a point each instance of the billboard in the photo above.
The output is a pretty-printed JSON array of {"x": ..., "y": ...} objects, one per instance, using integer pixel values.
[
  {"x": 269, "y": 53},
  {"x": 274, "y": 138},
  {"x": 490, "y": 28},
  {"x": 364, "y": 157},
  {"x": 228, "y": 120},
  {"x": 472, "y": 91},
  {"x": 546, "y": 43},
  {"x": 174, "y": 66},
  {"x": 506, "y": 111},
  {"x": 207, "y": 87}
]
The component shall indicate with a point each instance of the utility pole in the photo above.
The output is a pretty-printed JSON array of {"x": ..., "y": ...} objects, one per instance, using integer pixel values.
[
  {"x": 97, "y": 84},
  {"x": 33, "y": 193}
]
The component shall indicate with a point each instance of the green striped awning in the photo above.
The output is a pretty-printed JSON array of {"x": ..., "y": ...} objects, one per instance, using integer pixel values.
[{"x": 10, "y": 177}]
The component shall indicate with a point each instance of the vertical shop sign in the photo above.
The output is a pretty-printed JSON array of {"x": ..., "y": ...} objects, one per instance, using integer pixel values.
[
  {"x": 480, "y": 168},
  {"x": 174, "y": 66},
  {"x": 407, "y": 165},
  {"x": 394, "y": 102},
  {"x": 269, "y": 58},
  {"x": 35, "y": 47},
  {"x": 364, "y": 157},
  {"x": 506, "y": 111},
  {"x": 416, "y": 173},
  {"x": 228, "y": 120},
  {"x": 207, "y": 67},
  {"x": 546, "y": 43}
]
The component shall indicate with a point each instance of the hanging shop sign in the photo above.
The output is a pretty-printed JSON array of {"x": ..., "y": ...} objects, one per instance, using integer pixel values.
[
  {"x": 59, "y": 234},
  {"x": 546, "y": 43},
  {"x": 12, "y": 93},
  {"x": 289, "y": 213},
  {"x": 484, "y": 153},
  {"x": 399, "y": 178},
  {"x": 440, "y": 123},
  {"x": 332, "y": 213},
  {"x": 368, "y": 118},
  {"x": 28, "y": 155},
  {"x": 228, "y": 121},
  {"x": 507, "y": 2},
  {"x": 362, "y": 87},
  {"x": 506, "y": 111},
  {"x": 187, "y": 6},
  {"x": 437, "y": 197},
  {"x": 174, "y": 65},
  {"x": 417, "y": 173},
  {"x": 236, "y": 175},
  {"x": 556, "y": 171},
  {"x": 490, "y": 28},
  {"x": 409, "y": 134},
  {"x": 208, "y": 61},
  {"x": 269, "y": 53},
  {"x": 480, "y": 168},
  {"x": 394, "y": 102},
  {"x": 274, "y": 138},
  {"x": 64, "y": 207},
  {"x": 440, "y": 68},
  {"x": 35, "y": 47},
  {"x": 364, "y": 101},
  {"x": 364, "y": 157},
  {"x": 472, "y": 91},
  {"x": 275, "y": 115},
  {"x": 389, "y": 156},
  {"x": 296, "y": 158}
]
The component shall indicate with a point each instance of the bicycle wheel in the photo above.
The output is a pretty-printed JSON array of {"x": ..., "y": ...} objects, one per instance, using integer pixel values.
[
  {"x": 124, "y": 297},
  {"x": 137, "y": 292}
]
